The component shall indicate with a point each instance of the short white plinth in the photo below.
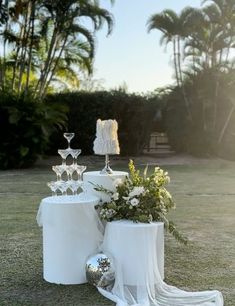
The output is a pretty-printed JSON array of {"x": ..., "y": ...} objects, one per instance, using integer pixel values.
[
  {"x": 133, "y": 245},
  {"x": 107, "y": 181}
]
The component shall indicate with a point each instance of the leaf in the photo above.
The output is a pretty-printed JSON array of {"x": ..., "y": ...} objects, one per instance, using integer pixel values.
[
  {"x": 14, "y": 115},
  {"x": 145, "y": 172},
  {"x": 24, "y": 151}
]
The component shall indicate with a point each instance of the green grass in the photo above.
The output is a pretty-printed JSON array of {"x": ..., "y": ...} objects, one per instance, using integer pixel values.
[{"x": 205, "y": 197}]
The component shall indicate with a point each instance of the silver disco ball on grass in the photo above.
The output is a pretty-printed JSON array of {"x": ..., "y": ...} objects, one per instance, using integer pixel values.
[{"x": 100, "y": 271}]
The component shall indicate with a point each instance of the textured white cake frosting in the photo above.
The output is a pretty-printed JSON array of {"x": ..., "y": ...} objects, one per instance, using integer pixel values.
[{"x": 106, "y": 141}]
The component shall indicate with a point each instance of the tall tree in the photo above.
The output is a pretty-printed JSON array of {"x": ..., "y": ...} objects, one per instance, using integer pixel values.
[
  {"x": 167, "y": 23},
  {"x": 41, "y": 33},
  {"x": 173, "y": 27},
  {"x": 203, "y": 40}
]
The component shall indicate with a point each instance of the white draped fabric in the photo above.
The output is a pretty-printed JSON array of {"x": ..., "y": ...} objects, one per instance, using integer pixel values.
[
  {"x": 138, "y": 281},
  {"x": 71, "y": 233}
]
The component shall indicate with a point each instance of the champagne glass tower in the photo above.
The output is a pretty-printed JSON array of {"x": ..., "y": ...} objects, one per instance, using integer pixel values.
[{"x": 72, "y": 172}]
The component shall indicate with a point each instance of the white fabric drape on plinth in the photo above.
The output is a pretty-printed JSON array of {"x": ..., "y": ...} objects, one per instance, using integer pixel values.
[
  {"x": 138, "y": 282},
  {"x": 71, "y": 232}
]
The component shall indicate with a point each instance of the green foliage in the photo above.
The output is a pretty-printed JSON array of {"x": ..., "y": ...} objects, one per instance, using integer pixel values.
[
  {"x": 212, "y": 129},
  {"x": 25, "y": 127},
  {"x": 44, "y": 38},
  {"x": 207, "y": 34},
  {"x": 140, "y": 199},
  {"x": 134, "y": 113},
  {"x": 200, "y": 115},
  {"x": 3, "y": 13}
]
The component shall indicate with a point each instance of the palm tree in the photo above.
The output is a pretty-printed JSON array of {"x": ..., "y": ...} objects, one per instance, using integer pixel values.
[
  {"x": 168, "y": 23},
  {"x": 3, "y": 12},
  {"x": 211, "y": 40},
  {"x": 203, "y": 66},
  {"x": 214, "y": 36},
  {"x": 75, "y": 57},
  {"x": 41, "y": 32},
  {"x": 66, "y": 27},
  {"x": 174, "y": 29}
]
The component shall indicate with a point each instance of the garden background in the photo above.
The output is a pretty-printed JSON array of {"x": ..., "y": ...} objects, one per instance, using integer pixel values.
[{"x": 47, "y": 87}]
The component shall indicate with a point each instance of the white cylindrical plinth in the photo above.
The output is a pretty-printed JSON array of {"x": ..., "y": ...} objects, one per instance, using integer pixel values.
[
  {"x": 105, "y": 180},
  {"x": 71, "y": 233},
  {"x": 133, "y": 245},
  {"x": 136, "y": 250}
]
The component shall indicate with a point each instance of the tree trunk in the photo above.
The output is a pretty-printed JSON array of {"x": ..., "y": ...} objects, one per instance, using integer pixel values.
[
  {"x": 54, "y": 68},
  {"x": 4, "y": 57},
  {"x": 32, "y": 19},
  {"x": 16, "y": 59},
  {"x": 50, "y": 67},
  {"x": 220, "y": 57},
  {"x": 215, "y": 104},
  {"x": 226, "y": 124},
  {"x": 1, "y": 80},
  {"x": 186, "y": 102},
  {"x": 175, "y": 63},
  {"x": 24, "y": 47},
  {"x": 41, "y": 80}
]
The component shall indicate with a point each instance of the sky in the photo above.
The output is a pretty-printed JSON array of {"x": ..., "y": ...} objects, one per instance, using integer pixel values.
[{"x": 131, "y": 55}]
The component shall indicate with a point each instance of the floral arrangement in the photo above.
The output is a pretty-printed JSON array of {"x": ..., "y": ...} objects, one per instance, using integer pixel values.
[{"x": 140, "y": 199}]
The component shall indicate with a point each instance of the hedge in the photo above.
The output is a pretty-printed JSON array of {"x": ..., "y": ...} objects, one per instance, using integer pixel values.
[
  {"x": 135, "y": 115},
  {"x": 25, "y": 127}
]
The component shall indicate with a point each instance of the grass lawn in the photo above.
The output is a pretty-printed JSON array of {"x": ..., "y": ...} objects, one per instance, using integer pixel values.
[{"x": 205, "y": 197}]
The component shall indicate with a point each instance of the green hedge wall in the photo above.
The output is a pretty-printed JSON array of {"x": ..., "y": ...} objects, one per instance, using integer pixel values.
[
  {"x": 135, "y": 115},
  {"x": 25, "y": 127}
]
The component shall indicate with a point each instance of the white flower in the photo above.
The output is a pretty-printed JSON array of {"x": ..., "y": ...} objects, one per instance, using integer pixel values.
[
  {"x": 136, "y": 191},
  {"x": 117, "y": 182},
  {"x": 115, "y": 196},
  {"x": 126, "y": 198},
  {"x": 134, "y": 202},
  {"x": 107, "y": 213}
]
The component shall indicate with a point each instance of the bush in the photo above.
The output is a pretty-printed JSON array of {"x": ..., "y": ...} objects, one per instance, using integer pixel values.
[
  {"x": 211, "y": 131},
  {"x": 134, "y": 113},
  {"x": 25, "y": 127}
]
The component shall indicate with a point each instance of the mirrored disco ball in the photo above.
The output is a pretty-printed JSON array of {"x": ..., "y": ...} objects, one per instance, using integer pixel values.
[{"x": 100, "y": 271}]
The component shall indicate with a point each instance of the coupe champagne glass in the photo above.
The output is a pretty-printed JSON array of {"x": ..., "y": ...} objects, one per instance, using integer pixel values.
[
  {"x": 53, "y": 186},
  {"x": 64, "y": 154},
  {"x": 69, "y": 137},
  {"x": 79, "y": 170},
  {"x": 75, "y": 153},
  {"x": 62, "y": 186},
  {"x": 70, "y": 170},
  {"x": 73, "y": 186},
  {"x": 59, "y": 170}
]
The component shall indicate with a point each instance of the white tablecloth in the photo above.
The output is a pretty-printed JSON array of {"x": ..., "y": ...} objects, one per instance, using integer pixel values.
[
  {"x": 71, "y": 233},
  {"x": 134, "y": 248},
  {"x": 123, "y": 239},
  {"x": 106, "y": 180}
]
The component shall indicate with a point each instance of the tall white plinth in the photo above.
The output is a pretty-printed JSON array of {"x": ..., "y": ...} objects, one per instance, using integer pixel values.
[{"x": 71, "y": 233}]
